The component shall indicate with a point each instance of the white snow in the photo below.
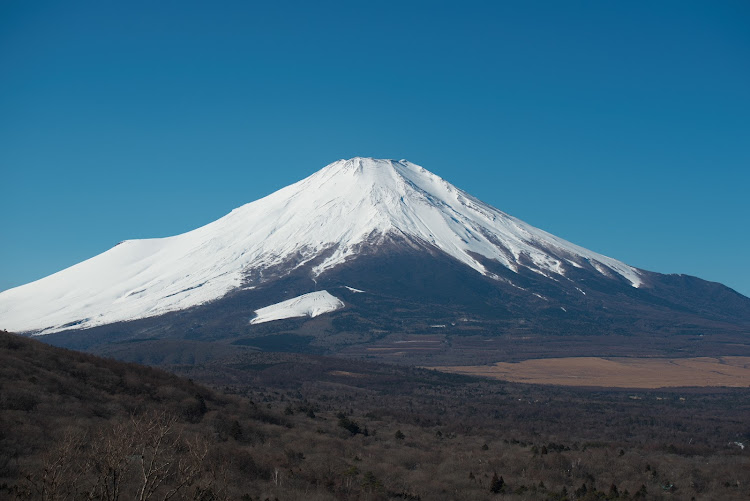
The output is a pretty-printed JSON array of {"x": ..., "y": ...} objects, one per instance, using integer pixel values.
[
  {"x": 338, "y": 210},
  {"x": 306, "y": 305},
  {"x": 353, "y": 289}
]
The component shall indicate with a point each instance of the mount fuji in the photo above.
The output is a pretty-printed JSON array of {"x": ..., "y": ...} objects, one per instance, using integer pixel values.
[{"x": 366, "y": 252}]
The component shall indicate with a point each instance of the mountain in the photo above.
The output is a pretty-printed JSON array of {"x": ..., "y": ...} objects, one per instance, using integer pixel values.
[{"x": 391, "y": 250}]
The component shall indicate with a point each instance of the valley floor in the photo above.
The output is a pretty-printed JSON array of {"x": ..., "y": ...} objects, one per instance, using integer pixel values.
[{"x": 618, "y": 372}]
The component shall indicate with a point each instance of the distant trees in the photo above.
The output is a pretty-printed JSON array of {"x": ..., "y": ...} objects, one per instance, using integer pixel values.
[
  {"x": 350, "y": 425},
  {"x": 497, "y": 484}
]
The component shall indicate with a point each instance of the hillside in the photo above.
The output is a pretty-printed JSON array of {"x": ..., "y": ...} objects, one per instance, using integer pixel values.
[{"x": 293, "y": 427}]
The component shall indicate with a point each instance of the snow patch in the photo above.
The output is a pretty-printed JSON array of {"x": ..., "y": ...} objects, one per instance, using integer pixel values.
[
  {"x": 306, "y": 305},
  {"x": 353, "y": 289}
]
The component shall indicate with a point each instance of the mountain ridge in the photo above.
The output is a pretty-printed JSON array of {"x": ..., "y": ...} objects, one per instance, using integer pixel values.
[{"x": 326, "y": 218}]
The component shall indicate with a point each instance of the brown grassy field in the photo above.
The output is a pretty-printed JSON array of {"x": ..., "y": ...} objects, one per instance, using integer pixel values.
[{"x": 618, "y": 372}]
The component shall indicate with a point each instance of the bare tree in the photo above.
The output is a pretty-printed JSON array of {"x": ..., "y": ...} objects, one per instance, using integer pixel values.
[
  {"x": 146, "y": 458},
  {"x": 59, "y": 473},
  {"x": 111, "y": 451},
  {"x": 156, "y": 455},
  {"x": 190, "y": 469}
]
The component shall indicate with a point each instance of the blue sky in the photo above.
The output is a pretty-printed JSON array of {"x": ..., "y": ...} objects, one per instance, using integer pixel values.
[{"x": 623, "y": 127}]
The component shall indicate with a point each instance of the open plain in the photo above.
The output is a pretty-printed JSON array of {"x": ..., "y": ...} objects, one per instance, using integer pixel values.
[{"x": 619, "y": 372}]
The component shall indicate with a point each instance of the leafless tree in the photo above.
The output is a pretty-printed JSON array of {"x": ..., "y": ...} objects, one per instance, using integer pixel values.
[
  {"x": 58, "y": 475},
  {"x": 146, "y": 458},
  {"x": 109, "y": 460}
]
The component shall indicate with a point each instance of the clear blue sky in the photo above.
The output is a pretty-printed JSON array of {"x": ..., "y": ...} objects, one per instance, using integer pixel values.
[{"x": 621, "y": 126}]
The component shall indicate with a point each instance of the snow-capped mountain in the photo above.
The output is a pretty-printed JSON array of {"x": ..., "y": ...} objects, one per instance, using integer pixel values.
[
  {"x": 328, "y": 216},
  {"x": 363, "y": 223}
]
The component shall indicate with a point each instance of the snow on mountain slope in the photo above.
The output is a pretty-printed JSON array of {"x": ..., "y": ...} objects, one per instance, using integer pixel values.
[
  {"x": 306, "y": 305},
  {"x": 331, "y": 213}
]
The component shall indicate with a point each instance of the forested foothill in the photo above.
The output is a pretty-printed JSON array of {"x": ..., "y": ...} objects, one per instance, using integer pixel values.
[{"x": 301, "y": 427}]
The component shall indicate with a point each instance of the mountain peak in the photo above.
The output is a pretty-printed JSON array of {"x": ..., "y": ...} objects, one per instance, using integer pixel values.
[
  {"x": 384, "y": 183},
  {"x": 326, "y": 219},
  {"x": 374, "y": 170},
  {"x": 367, "y": 161},
  {"x": 359, "y": 167},
  {"x": 362, "y": 163}
]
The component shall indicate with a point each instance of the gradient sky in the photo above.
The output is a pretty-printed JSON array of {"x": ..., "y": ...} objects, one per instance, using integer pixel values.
[{"x": 623, "y": 127}]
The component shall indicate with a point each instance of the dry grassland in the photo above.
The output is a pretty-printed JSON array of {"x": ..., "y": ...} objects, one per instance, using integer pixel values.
[{"x": 618, "y": 372}]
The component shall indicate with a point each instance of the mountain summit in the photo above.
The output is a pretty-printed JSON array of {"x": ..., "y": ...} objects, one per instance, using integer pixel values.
[
  {"x": 373, "y": 251},
  {"x": 326, "y": 218}
]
